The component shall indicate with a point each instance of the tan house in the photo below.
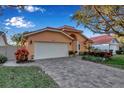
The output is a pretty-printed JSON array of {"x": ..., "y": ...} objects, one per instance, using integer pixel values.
[{"x": 55, "y": 42}]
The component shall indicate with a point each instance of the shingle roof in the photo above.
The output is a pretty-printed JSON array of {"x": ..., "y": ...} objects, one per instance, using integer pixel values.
[{"x": 103, "y": 39}]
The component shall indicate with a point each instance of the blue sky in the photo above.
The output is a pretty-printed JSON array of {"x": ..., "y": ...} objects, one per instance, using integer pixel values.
[{"x": 37, "y": 17}]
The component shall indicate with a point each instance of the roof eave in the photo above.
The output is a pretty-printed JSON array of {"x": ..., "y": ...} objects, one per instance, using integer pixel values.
[{"x": 48, "y": 29}]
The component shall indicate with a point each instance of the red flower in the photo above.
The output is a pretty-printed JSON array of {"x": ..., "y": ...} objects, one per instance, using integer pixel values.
[{"x": 21, "y": 54}]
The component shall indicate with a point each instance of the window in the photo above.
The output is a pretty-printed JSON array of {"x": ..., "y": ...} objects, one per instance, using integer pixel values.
[
  {"x": 79, "y": 46},
  {"x": 113, "y": 41},
  {"x": 30, "y": 42}
]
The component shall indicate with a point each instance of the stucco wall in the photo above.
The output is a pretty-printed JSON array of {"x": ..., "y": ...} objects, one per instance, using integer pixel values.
[
  {"x": 46, "y": 36},
  {"x": 2, "y": 43},
  {"x": 8, "y": 51},
  {"x": 49, "y": 36},
  {"x": 81, "y": 39}
]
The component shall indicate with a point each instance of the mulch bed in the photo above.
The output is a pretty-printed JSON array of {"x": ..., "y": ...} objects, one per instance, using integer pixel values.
[{"x": 28, "y": 61}]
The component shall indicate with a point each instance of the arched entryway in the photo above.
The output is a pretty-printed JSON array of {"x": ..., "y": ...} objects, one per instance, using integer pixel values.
[
  {"x": 75, "y": 44},
  {"x": 74, "y": 37}
]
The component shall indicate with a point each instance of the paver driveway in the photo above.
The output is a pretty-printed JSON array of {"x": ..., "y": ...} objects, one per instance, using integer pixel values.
[{"x": 73, "y": 72}]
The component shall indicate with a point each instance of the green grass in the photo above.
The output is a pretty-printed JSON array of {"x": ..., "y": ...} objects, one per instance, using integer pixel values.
[
  {"x": 116, "y": 61},
  {"x": 24, "y": 77}
]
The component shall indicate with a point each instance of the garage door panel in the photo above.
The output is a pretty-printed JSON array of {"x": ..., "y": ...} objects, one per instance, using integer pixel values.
[{"x": 50, "y": 50}]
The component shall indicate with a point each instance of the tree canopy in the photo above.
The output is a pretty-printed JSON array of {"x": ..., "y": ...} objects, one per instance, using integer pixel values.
[
  {"x": 101, "y": 19},
  {"x": 17, "y": 38},
  {"x": 119, "y": 38}
]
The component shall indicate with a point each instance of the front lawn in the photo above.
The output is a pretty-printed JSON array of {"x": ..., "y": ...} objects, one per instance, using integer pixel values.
[
  {"x": 24, "y": 77},
  {"x": 114, "y": 61}
]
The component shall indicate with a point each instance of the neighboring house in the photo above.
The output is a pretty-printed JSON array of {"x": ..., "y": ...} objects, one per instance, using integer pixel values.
[
  {"x": 55, "y": 42},
  {"x": 105, "y": 43},
  {"x": 3, "y": 40}
]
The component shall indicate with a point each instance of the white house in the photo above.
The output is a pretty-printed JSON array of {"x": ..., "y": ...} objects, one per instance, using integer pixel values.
[
  {"x": 105, "y": 43},
  {"x": 3, "y": 40}
]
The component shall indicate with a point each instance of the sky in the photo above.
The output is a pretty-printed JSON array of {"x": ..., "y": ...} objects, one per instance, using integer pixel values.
[{"x": 32, "y": 18}]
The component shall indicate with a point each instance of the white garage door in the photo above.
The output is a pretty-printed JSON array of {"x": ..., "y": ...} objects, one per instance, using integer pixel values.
[{"x": 50, "y": 50}]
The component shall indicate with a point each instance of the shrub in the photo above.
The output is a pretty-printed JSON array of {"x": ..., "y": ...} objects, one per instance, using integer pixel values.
[
  {"x": 81, "y": 53},
  {"x": 99, "y": 54},
  {"x": 3, "y": 59},
  {"x": 93, "y": 58},
  {"x": 22, "y": 55},
  {"x": 71, "y": 53},
  {"x": 85, "y": 53},
  {"x": 75, "y": 52},
  {"x": 119, "y": 52}
]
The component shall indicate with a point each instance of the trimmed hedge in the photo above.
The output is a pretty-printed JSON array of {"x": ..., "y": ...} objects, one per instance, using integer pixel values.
[
  {"x": 3, "y": 59},
  {"x": 99, "y": 54},
  {"x": 72, "y": 52},
  {"x": 94, "y": 59},
  {"x": 81, "y": 53},
  {"x": 119, "y": 52}
]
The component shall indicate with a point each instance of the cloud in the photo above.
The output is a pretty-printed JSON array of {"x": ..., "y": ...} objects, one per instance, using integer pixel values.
[
  {"x": 19, "y": 22},
  {"x": 71, "y": 15},
  {"x": 19, "y": 10},
  {"x": 34, "y": 9},
  {"x": 7, "y": 28}
]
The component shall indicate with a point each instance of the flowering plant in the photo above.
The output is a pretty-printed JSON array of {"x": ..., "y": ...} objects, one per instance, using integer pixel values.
[{"x": 21, "y": 55}]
